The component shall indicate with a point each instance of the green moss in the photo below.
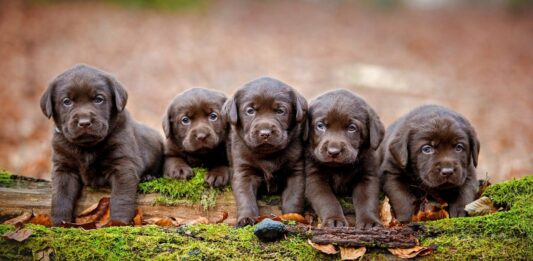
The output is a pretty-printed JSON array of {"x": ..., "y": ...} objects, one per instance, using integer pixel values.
[
  {"x": 6, "y": 178},
  {"x": 503, "y": 235},
  {"x": 192, "y": 191}
]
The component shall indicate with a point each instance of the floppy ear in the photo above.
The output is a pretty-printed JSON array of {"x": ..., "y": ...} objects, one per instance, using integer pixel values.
[
  {"x": 474, "y": 146},
  {"x": 46, "y": 101},
  {"x": 119, "y": 93},
  {"x": 167, "y": 124},
  {"x": 301, "y": 108},
  {"x": 399, "y": 149},
  {"x": 376, "y": 129},
  {"x": 230, "y": 110}
]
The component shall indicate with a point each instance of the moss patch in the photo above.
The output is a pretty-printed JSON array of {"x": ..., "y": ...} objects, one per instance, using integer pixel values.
[
  {"x": 192, "y": 191},
  {"x": 503, "y": 235},
  {"x": 6, "y": 178}
]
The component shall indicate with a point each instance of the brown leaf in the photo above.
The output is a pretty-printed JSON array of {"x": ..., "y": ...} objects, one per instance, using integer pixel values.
[
  {"x": 352, "y": 253},
  {"x": 19, "y": 234},
  {"x": 115, "y": 223},
  {"x": 88, "y": 225},
  {"x": 385, "y": 214},
  {"x": 200, "y": 220},
  {"x": 41, "y": 219},
  {"x": 19, "y": 220},
  {"x": 326, "y": 249},
  {"x": 293, "y": 217},
  {"x": 94, "y": 214},
  {"x": 44, "y": 255},
  {"x": 412, "y": 252},
  {"x": 162, "y": 222},
  {"x": 224, "y": 217},
  {"x": 480, "y": 207},
  {"x": 430, "y": 210},
  {"x": 138, "y": 218},
  {"x": 104, "y": 219}
]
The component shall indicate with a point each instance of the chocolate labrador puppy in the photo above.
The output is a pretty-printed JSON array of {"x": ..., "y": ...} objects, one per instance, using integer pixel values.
[
  {"x": 96, "y": 142},
  {"x": 196, "y": 132},
  {"x": 344, "y": 133},
  {"x": 432, "y": 151},
  {"x": 267, "y": 118}
]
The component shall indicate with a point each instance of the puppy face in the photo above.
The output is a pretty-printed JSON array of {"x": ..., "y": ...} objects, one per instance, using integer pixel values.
[
  {"x": 82, "y": 102},
  {"x": 439, "y": 145},
  {"x": 265, "y": 113},
  {"x": 340, "y": 125},
  {"x": 194, "y": 119}
]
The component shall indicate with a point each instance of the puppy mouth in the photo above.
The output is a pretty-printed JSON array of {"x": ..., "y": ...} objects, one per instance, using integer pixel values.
[{"x": 344, "y": 158}]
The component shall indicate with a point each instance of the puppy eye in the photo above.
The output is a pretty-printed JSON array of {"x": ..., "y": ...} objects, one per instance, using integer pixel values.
[
  {"x": 352, "y": 128},
  {"x": 321, "y": 126},
  {"x": 280, "y": 111},
  {"x": 459, "y": 147},
  {"x": 185, "y": 120},
  {"x": 213, "y": 116},
  {"x": 99, "y": 99},
  {"x": 427, "y": 149},
  {"x": 250, "y": 111},
  {"x": 67, "y": 102}
]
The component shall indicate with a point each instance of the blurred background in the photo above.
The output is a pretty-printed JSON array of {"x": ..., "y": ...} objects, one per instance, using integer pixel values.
[{"x": 475, "y": 56}]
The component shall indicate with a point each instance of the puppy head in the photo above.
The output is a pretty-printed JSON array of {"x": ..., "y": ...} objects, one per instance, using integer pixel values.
[
  {"x": 341, "y": 124},
  {"x": 439, "y": 145},
  {"x": 194, "y": 120},
  {"x": 83, "y": 101},
  {"x": 267, "y": 114}
]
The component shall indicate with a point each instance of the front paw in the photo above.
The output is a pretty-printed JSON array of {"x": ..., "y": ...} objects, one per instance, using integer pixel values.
[
  {"x": 367, "y": 222},
  {"x": 457, "y": 210},
  {"x": 334, "y": 222},
  {"x": 177, "y": 170},
  {"x": 245, "y": 221},
  {"x": 218, "y": 177}
]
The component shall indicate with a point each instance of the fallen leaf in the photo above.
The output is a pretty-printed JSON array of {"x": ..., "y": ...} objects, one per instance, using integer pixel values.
[
  {"x": 138, "y": 218},
  {"x": 89, "y": 225},
  {"x": 200, "y": 220},
  {"x": 162, "y": 222},
  {"x": 94, "y": 214},
  {"x": 115, "y": 223},
  {"x": 385, "y": 213},
  {"x": 352, "y": 253},
  {"x": 224, "y": 217},
  {"x": 19, "y": 234},
  {"x": 44, "y": 255},
  {"x": 480, "y": 207},
  {"x": 326, "y": 249},
  {"x": 431, "y": 210},
  {"x": 483, "y": 185},
  {"x": 41, "y": 219},
  {"x": 412, "y": 252},
  {"x": 19, "y": 220},
  {"x": 104, "y": 219},
  {"x": 293, "y": 217},
  {"x": 90, "y": 209}
]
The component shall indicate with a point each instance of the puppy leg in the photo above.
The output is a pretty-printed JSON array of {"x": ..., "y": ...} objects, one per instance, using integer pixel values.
[
  {"x": 402, "y": 200},
  {"x": 365, "y": 200},
  {"x": 466, "y": 194},
  {"x": 123, "y": 195},
  {"x": 324, "y": 202},
  {"x": 293, "y": 196},
  {"x": 65, "y": 190},
  {"x": 245, "y": 185},
  {"x": 177, "y": 168},
  {"x": 218, "y": 176}
]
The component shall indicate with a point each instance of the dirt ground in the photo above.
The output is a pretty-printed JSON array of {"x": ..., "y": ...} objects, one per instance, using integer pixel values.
[{"x": 478, "y": 61}]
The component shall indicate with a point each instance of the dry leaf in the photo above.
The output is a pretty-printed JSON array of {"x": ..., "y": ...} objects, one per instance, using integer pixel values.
[
  {"x": 352, "y": 253},
  {"x": 430, "y": 210},
  {"x": 19, "y": 220},
  {"x": 162, "y": 222},
  {"x": 293, "y": 217},
  {"x": 385, "y": 213},
  {"x": 89, "y": 225},
  {"x": 200, "y": 220},
  {"x": 94, "y": 214},
  {"x": 41, "y": 219},
  {"x": 19, "y": 234},
  {"x": 412, "y": 252},
  {"x": 90, "y": 209},
  {"x": 104, "y": 219},
  {"x": 138, "y": 218},
  {"x": 480, "y": 207},
  {"x": 224, "y": 217},
  {"x": 326, "y": 249},
  {"x": 44, "y": 255}
]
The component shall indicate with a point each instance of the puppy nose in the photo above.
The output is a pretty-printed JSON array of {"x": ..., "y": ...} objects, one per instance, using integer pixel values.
[
  {"x": 334, "y": 151},
  {"x": 84, "y": 122},
  {"x": 201, "y": 136},
  {"x": 446, "y": 171},
  {"x": 265, "y": 133}
]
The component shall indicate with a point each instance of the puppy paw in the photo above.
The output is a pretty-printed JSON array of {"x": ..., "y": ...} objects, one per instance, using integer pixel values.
[
  {"x": 245, "y": 221},
  {"x": 335, "y": 222},
  {"x": 457, "y": 210},
  {"x": 218, "y": 177},
  {"x": 367, "y": 222},
  {"x": 177, "y": 170}
]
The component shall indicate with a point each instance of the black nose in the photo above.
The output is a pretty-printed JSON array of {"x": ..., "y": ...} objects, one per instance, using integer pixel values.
[
  {"x": 265, "y": 133},
  {"x": 201, "y": 136},
  {"x": 446, "y": 171},
  {"x": 84, "y": 123},
  {"x": 334, "y": 151}
]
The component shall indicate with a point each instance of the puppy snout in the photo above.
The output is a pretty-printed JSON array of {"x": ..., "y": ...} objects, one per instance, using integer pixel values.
[
  {"x": 265, "y": 133},
  {"x": 334, "y": 151},
  {"x": 201, "y": 136},
  {"x": 84, "y": 122},
  {"x": 447, "y": 171}
]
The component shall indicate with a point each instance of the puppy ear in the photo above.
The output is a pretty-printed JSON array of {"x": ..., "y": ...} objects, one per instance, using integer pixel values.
[
  {"x": 230, "y": 110},
  {"x": 474, "y": 146},
  {"x": 399, "y": 149},
  {"x": 301, "y": 108},
  {"x": 167, "y": 124},
  {"x": 376, "y": 129},
  {"x": 46, "y": 101},
  {"x": 305, "y": 129},
  {"x": 119, "y": 93}
]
